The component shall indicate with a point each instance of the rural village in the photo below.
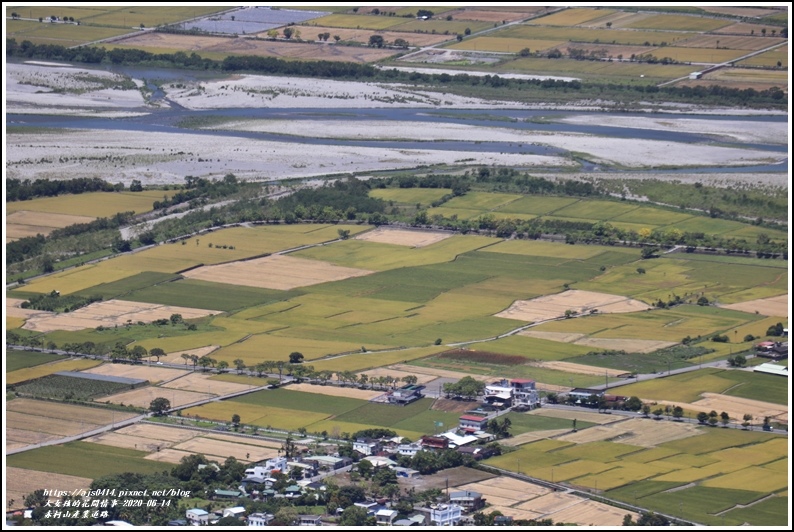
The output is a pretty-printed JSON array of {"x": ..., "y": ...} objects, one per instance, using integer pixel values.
[{"x": 512, "y": 265}]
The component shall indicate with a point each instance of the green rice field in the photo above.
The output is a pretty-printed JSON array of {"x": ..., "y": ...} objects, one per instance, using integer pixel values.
[
  {"x": 410, "y": 196},
  {"x": 27, "y": 359},
  {"x": 84, "y": 459}
]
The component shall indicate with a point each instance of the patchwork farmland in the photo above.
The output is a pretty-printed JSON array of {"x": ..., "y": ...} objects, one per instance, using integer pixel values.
[{"x": 307, "y": 272}]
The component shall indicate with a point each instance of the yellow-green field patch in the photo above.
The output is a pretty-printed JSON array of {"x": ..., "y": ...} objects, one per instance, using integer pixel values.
[
  {"x": 547, "y": 249},
  {"x": 365, "y": 361},
  {"x": 93, "y": 204},
  {"x": 264, "y": 416},
  {"x": 679, "y": 23},
  {"x": 410, "y": 196},
  {"x": 751, "y": 478},
  {"x": 35, "y": 372}
]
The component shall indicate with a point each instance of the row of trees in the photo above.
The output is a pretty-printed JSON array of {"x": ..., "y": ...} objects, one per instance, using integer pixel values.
[{"x": 25, "y": 189}]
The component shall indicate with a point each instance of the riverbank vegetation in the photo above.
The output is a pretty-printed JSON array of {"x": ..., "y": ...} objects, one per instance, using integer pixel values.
[{"x": 491, "y": 87}]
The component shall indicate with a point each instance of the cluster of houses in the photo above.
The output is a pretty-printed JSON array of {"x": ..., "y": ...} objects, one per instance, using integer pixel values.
[
  {"x": 773, "y": 350},
  {"x": 469, "y": 437}
]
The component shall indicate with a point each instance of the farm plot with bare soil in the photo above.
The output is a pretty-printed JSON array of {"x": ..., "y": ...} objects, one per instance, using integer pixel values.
[
  {"x": 110, "y": 314},
  {"x": 506, "y": 491},
  {"x": 579, "y": 301},
  {"x": 142, "y": 398},
  {"x": 211, "y": 446},
  {"x": 245, "y": 441},
  {"x": 590, "y": 417},
  {"x": 22, "y": 482},
  {"x": 26, "y": 223},
  {"x": 529, "y": 437},
  {"x": 151, "y": 442},
  {"x": 335, "y": 391},
  {"x": 14, "y": 309},
  {"x": 770, "y": 306},
  {"x": 277, "y": 272},
  {"x": 223, "y": 46},
  {"x": 650, "y": 433},
  {"x": 592, "y": 434},
  {"x": 625, "y": 344},
  {"x": 31, "y": 422},
  {"x": 433, "y": 372},
  {"x": 201, "y": 382},
  {"x": 403, "y": 237},
  {"x": 175, "y": 357},
  {"x": 361, "y": 35},
  {"x": 737, "y": 407},
  {"x": 402, "y": 370},
  {"x": 589, "y": 513},
  {"x": 152, "y": 374},
  {"x": 583, "y": 369},
  {"x": 450, "y": 405}
]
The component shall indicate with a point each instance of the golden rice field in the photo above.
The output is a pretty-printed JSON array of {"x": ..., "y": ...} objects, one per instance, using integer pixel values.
[
  {"x": 35, "y": 372},
  {"x": 93, "y": 204},
  {"x": 13, "y": 322}
]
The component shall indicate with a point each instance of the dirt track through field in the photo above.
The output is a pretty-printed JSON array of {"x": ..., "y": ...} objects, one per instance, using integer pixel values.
[{"x": 277, "y": 272}]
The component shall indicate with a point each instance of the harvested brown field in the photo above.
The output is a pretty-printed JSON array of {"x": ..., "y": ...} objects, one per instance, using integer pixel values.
[
  {"x": 310, "y": 31},
  {"x": 153, "y": 374},
  {"x": 566, "y": 337},
  {"x": 158, "y": 431},
  {"x": 740, "y": 11},
  {"x": 629, "y": 345},
  {"x": 14, "y": 309},
  {"x": 29, "y": 421},
  {"x": 746, "y": 28},
  {"x": 582, "y": 369},
  {"x": 650, "y": 433},
  {"x": 277, "y": 272},
  {"x": 737, "y": 407},
  {"x": 109, "y": 314},
  {"x": 245, "y": 441},
  {"x": 211, "y": 446},
  {"x": 450, "y": 405},
  {"x": 126, "y": 441},
  {"x": 506, "y": 491},
  {"x": 551, "y": 502},
  {"x": 579, "y": 301},
  {"x": 175, "y": 357},
  {"x": 174, "y": 456},
  {"x": 487, "y": 16},
  {"x": 100, "y": 416},
  {"x": 30, "y": 223},
  {"x": 770, "y": 306},
  {"x": 513, "y": 511},
  {"x": 483, "y": 357},
  {"x": 336, "y": 391},
  {"x": 200, "y": 382},
  {"x": 456, "y": 476},
  {"x": 403, "y": 237},
  {"x": 223, "y": 46},
  {"x": 590, "y": 513},
  {"x": 734, "y": 42},
  {"x": 590, "y": 417},
  {"x": 529, "y": 437},
  {"x": 50, "y": 428},
  {"x": 144, "y": 396},
  {"x": 403, "y": 370},
  {"x": 424, "y": 373},
  {"x": 21, "y": 482},
  {"x": 597, "y": 433}
]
